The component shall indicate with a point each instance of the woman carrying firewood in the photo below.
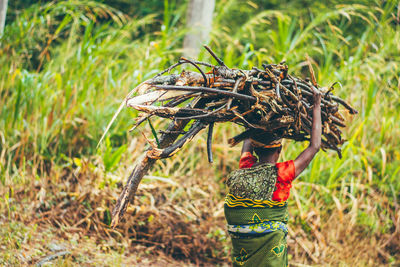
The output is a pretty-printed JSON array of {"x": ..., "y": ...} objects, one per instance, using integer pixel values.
[{"x": 256, "y": 204}]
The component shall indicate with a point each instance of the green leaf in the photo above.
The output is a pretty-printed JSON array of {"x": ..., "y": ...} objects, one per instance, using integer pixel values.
[
  {"x": 111, "y": 159},
  {"x": 154, "y": 133}
]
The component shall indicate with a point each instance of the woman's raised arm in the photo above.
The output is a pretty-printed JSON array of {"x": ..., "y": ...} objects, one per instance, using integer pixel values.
[{"x": 305, "y": 157}]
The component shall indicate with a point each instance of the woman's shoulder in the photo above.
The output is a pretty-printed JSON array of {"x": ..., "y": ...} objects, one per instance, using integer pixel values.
[
  {"x": 247, "y": 160},
  {"x": 286, "y": 170},
  {"x": 285, "y": 164}
]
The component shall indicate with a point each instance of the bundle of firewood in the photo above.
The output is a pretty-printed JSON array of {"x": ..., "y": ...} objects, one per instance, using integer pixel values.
[{"x": 267, "y": 100}]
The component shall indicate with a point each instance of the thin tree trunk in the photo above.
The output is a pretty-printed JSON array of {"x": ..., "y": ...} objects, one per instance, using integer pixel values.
[
  {"x": 199, "y": 22},
  {"x": 3, "y": 13}
]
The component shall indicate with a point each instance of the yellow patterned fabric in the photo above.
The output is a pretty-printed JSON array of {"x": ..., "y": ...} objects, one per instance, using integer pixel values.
[{"x": 233, "y": 201}]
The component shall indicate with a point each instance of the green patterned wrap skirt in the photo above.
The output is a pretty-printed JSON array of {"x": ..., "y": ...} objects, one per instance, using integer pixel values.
[{"x": 258, "y": 233}]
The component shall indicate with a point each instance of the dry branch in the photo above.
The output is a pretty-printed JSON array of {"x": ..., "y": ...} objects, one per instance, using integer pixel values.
[{"x": 141, "y": 169}]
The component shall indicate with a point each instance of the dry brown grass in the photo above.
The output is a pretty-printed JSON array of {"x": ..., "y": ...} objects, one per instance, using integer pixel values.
[{"x": 177, "y": 217}]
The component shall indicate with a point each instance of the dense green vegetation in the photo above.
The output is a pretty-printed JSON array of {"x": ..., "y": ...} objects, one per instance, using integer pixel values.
[{"x": 67, "y": 65}]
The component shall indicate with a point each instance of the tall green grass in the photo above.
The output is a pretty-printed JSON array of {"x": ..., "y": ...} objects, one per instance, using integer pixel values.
[{"x": 53, "y": 86}]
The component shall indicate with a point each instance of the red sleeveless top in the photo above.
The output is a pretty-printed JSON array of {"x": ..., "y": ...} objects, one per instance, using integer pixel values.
[{"x": 286, "y": 174}]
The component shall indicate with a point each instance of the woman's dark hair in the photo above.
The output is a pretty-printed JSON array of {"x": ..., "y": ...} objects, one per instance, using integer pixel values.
[{"x": 266, "y": 151}]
